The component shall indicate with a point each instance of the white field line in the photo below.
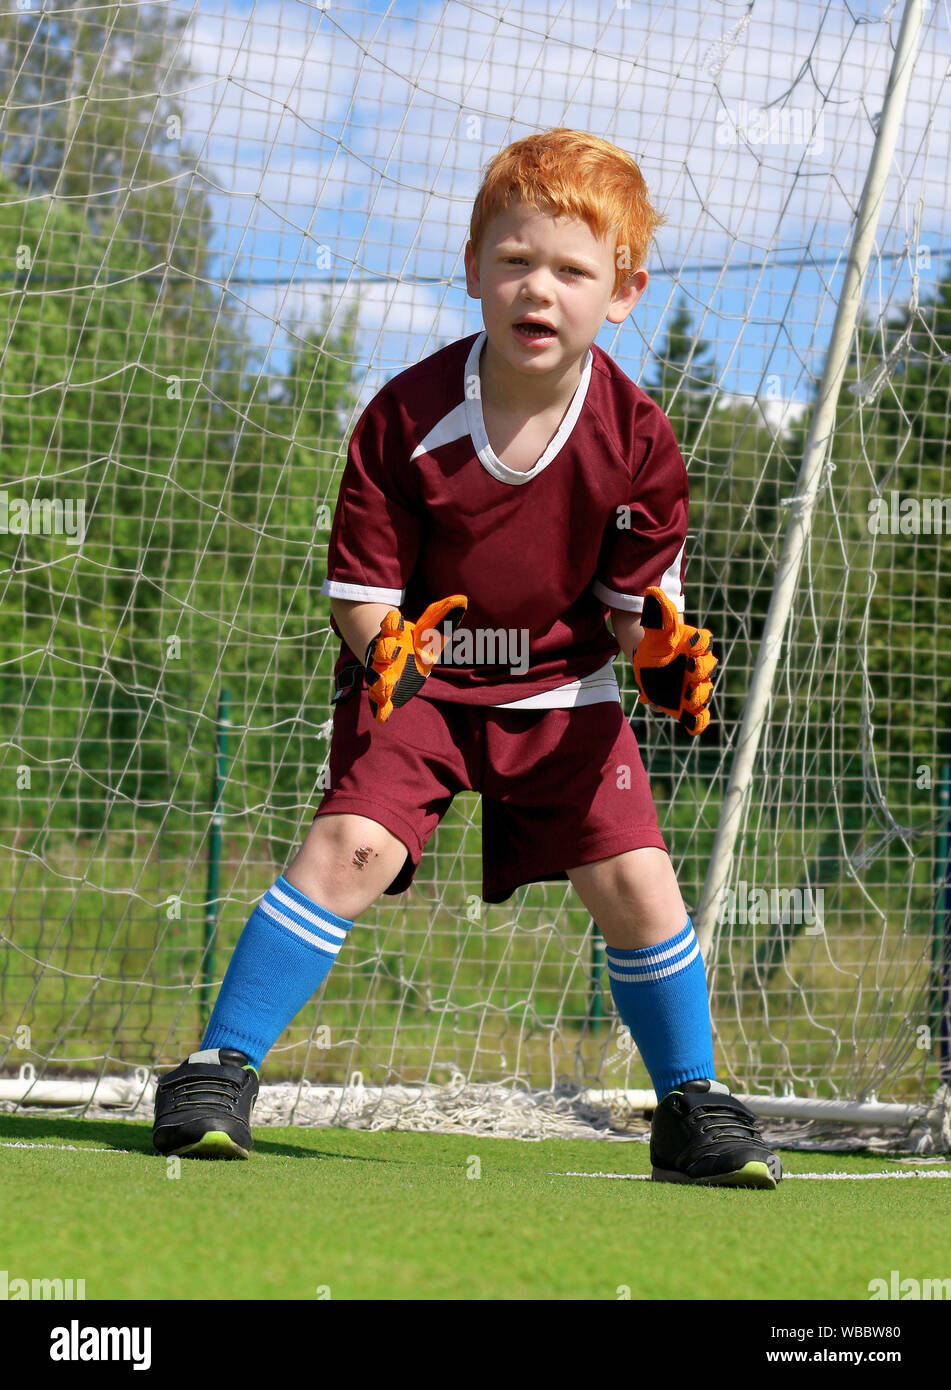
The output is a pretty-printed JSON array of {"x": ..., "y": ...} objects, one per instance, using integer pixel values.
[
  {"x": 71, "y": 1148},
  {"x": 814, "y": 1177}
]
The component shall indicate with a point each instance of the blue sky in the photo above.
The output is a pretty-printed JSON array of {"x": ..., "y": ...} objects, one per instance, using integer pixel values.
[{"x": 344, "y": 145}]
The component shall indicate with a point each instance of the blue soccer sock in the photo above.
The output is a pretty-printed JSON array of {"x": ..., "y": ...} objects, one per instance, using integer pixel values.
[
  {"x": 283, "y": 955},
  {"x": 661, "y": 994}
]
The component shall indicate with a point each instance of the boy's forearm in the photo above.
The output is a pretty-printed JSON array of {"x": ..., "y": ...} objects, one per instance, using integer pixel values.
[
  {"x": 627, "y": 630},
  {"x": 358, "y": 622}
]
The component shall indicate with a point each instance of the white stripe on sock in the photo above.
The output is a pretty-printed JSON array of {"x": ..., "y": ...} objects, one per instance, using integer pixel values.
[
  {"x": 634, "y": 977},
  {"x": 304, "y": 912},
  {"x": 669, "y": 950},
  {"x": 329, "y": 948}
]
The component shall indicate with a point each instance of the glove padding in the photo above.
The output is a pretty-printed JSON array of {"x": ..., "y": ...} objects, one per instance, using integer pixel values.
[
  {"x": 402, "y": 654},
  {"x": 672, "y": 664}
]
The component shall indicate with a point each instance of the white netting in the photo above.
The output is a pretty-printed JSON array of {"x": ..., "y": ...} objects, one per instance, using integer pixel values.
[{"x": 221, "y": 230}]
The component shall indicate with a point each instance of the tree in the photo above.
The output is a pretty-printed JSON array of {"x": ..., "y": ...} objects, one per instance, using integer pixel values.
[
  {"x": 125, "y": 387},
  {"x": 735, "y": 463},
  {"x": 203, "y": 550},
  {"x": 683, "y": 377},
  {"x": 87, "y": 122},
  {"x": 102, "y": 408}
]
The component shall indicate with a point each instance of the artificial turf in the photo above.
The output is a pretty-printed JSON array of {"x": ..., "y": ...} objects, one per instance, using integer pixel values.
[{"x": 348, "y": 1214}]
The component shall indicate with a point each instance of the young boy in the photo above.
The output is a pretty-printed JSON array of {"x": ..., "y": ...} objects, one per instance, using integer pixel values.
[{"x": 510, "y": 491}]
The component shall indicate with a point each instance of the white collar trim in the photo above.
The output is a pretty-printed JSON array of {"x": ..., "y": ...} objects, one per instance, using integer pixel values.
[{"x": 476, "y": 421}]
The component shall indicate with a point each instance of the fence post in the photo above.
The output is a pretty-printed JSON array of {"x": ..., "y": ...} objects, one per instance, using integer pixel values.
[{"x": 214, "y": 857}]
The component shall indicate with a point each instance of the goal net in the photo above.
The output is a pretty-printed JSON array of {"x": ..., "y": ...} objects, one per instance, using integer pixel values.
[{"x": 222, "y": 229}]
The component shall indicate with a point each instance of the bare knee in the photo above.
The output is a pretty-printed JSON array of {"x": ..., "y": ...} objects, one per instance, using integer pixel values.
[
  {"x": 346, "y": 862},
  {"x": 633, "y": 897},
  {"x": 354, "y": 842}
]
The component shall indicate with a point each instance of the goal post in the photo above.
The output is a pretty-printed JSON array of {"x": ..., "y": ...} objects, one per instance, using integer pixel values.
[
  {"x": 221, "y": 232},
  {"x": 802, "y": 504}
]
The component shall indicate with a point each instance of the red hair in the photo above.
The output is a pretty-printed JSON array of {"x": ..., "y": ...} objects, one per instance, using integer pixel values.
[{"x": 569, "y": 173}]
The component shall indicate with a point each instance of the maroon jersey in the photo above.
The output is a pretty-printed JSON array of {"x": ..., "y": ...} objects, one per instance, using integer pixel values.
[{"x": 426, "y": 510}]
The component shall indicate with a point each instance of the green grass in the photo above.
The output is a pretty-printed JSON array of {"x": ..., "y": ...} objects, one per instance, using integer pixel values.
[{"x": 395, "y": 1216}]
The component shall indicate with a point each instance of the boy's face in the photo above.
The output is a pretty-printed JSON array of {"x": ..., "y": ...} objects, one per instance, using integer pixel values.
[{"x": 555, "y": 273}]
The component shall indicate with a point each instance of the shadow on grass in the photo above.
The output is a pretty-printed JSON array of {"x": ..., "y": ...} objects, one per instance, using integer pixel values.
[{"x": 131, "y": 1136}]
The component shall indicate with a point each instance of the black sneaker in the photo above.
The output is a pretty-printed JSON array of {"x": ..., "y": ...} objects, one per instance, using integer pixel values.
[
  {"x": 702, "y": 1134},
  {"x": 203, "y": 1108}
]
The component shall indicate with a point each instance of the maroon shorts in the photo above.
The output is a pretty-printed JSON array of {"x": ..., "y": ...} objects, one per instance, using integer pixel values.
[{"x": 560, "y": 787}]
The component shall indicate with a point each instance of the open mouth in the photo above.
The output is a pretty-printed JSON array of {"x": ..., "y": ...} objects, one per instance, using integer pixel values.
[{"x": 534, "y": 332}]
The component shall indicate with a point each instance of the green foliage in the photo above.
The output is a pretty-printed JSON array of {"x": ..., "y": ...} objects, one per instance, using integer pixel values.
[
  {"x": 858, "y": 717},
  {"x": 738, "y": 468},
  {"x": 683, "y": 377},
  {"x": 130, "y": 390}
]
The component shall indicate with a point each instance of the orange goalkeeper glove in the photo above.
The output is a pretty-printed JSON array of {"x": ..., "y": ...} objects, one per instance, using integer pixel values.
[
  {"x": 672, "y": 664},
  {"x": 402, "y": 654}
]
